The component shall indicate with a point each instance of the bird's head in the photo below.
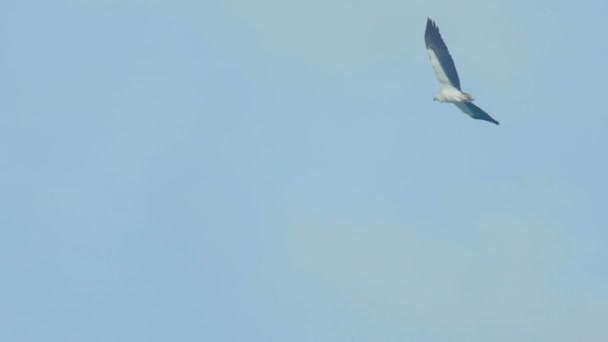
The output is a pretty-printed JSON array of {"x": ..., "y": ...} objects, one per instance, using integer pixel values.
[{"x": 435, "y": 98}]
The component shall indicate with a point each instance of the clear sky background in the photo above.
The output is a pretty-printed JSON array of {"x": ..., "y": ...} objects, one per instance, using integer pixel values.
[{"x": 277, "y": 171}]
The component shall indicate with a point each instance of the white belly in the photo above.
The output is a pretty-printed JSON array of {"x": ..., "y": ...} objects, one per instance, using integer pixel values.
[{"x": 453, "y": 95}]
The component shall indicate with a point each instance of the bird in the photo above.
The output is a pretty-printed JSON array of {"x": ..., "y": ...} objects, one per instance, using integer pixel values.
[{"x": 446, "y": 73}]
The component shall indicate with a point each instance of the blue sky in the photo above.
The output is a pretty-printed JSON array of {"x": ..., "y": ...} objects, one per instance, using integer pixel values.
[{"x": 277, "y": 171}]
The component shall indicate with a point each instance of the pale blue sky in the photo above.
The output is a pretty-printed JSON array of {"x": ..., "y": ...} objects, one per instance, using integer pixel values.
[{"x": 277, "y": 171}]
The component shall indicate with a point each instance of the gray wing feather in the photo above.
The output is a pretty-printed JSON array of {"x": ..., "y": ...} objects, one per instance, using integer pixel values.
[
  {"x": 475, "y": 112},
  {"x": 433, "y": 41}
]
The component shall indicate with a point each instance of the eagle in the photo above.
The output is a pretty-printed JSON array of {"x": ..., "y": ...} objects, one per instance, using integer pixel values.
[{"x": 446, "y": 73}]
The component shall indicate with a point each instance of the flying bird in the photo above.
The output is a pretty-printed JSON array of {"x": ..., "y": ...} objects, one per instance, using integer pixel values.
[{"x": 444, "y": 68}]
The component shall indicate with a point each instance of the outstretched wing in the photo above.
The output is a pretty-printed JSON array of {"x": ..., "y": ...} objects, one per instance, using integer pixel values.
[
  {"x": 475, "y": 112},
  {"x": 440, "y": 57}
]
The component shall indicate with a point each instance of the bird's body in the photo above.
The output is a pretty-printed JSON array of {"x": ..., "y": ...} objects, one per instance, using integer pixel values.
[
  {"x": 453, "y": 95},
  {"x": 444, "y": 68}
]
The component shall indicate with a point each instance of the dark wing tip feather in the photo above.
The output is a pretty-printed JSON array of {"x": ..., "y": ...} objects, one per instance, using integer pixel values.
[
  {"x": 432, "y": 36},
  {"x": 431, "y": 28}
]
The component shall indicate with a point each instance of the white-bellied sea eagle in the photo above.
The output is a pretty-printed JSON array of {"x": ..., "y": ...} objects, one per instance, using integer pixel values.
[{"x": 444, "y": 68}]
